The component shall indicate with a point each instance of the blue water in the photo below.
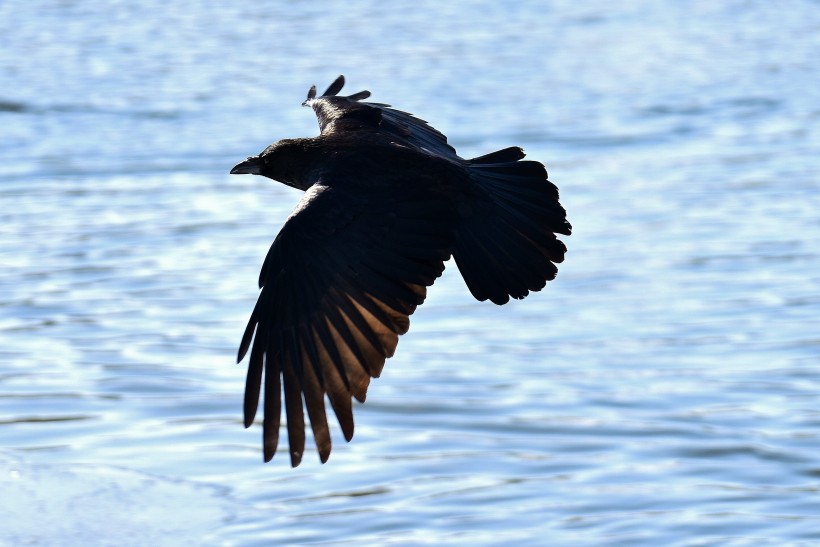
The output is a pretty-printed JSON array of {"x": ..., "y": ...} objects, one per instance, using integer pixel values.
[{"x": 665, "y": 389}]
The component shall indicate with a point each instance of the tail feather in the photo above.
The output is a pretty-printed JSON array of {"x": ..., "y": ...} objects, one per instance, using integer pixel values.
[
  {"x": 506, "y": 244},
  {"x": 481, "y": 281},
  {"x": 512, "y": 153}
]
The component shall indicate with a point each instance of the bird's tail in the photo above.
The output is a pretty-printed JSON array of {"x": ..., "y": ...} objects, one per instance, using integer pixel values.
[{"x": 505, "y": 243}]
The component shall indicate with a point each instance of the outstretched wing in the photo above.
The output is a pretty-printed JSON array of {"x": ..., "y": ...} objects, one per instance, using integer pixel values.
[
  {"x": 337, "y": 289},
  {"x": 339, "y": 113}
]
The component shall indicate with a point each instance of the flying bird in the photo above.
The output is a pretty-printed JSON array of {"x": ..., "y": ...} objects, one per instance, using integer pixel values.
[{"x": 387, "y": 201}]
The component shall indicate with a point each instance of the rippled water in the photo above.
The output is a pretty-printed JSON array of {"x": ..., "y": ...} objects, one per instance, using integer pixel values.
[{"x": 665, "y": 389}]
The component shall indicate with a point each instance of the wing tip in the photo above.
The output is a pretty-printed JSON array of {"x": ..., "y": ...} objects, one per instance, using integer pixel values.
[
  {"x": 324, "y": 453},
  {"x": 335, "y": 87},
  {"x": 333, "y": 90},
  {"x": 348, "y": 433}
]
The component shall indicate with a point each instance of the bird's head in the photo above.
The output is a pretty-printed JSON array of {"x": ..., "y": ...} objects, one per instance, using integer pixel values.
[{"x": 282, "y": 161}]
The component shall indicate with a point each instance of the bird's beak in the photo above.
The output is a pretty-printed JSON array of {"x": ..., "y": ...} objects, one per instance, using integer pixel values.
[{"x": 251, "y": 166}]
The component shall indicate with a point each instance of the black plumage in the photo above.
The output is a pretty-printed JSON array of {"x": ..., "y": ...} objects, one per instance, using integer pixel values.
[{"x": 387, "y": 201}]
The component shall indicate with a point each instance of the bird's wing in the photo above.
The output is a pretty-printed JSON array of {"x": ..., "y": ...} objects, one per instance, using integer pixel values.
[
  {"x": 333, "y": 110},
  {"x": 337, "y": 289}
]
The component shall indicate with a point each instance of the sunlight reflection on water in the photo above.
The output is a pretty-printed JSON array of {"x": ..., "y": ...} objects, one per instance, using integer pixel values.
[{"x": 661, "y": 390}]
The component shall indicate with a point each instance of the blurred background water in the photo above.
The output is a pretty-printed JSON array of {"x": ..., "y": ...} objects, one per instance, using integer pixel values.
[{"x": 665, "y": 389}]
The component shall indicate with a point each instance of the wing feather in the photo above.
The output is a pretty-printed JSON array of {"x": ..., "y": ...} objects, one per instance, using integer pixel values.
[
  {"x": 331, "y": 108},
  {"x": 273, "y": 401},
  {"x": 338, "y": 287}
]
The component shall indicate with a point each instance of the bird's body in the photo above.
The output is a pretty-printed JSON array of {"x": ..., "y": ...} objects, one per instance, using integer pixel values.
[{"x": 386, "y": 202}]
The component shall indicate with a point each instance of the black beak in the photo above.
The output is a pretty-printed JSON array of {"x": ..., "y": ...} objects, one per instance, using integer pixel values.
[{"x": 251, "y": 166}]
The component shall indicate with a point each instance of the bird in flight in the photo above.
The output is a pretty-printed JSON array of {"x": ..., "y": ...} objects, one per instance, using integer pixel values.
[{"x": 387, "y": 201}]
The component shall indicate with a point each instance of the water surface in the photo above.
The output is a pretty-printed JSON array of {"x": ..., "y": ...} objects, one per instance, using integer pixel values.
[{"x": 663, "y": 390}]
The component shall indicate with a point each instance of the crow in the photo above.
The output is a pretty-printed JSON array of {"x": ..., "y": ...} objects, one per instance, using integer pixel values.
[{"x": 386, "y": 202}]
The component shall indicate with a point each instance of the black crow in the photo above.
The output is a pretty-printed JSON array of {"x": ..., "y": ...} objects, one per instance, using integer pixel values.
[{"x": 387, "y": 201}]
